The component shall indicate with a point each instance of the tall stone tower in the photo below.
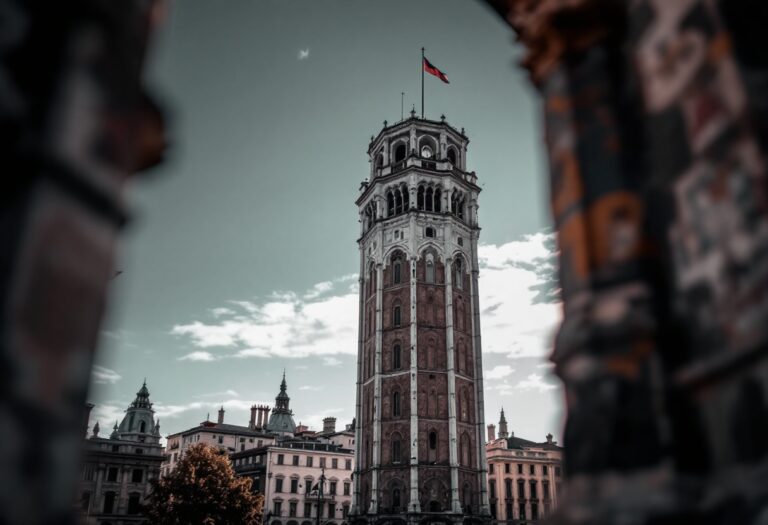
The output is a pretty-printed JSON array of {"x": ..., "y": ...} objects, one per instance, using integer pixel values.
[{"x": 420, "y": 429}]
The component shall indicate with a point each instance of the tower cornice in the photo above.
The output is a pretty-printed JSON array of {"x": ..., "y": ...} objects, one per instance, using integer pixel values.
[{"x": 417, "y": 122}]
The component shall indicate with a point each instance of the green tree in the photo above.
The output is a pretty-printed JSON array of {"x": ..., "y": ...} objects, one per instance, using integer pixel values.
[{"x": 203, "y": 489}]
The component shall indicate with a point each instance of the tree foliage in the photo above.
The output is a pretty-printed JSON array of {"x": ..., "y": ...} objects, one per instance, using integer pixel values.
[{"x": 203, "y": 489}]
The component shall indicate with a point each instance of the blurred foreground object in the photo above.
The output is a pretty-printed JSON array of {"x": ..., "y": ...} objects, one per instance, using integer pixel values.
[
  {"x": 656, "y": 129},
  {"x": 74, "y": 124}
]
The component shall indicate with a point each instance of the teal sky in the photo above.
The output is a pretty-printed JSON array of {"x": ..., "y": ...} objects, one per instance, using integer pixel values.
[{"x": 241, "y": 257}]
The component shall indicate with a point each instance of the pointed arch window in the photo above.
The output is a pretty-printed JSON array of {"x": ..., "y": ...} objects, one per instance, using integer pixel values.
[
  {"x": 420, "y": 198},
  {"x": 396, "y": 449},
  {"x": 400, "y": 152},
  {"x": 452, "y": 155},
  {"x": 430, "y": 271},
  {"x": 458, "y": 274},
  {"x": 432, "y": 453},
  {"x": 396, "y": 357},
  {"x": 396, "y": 500},
  {"x": 143, "y": 427},
  {"x": 438, "y": 200},
  {"x": 397, "y": 276},
  {"x": 396, "y": 318},
  {"x": 395, "y": 404}
]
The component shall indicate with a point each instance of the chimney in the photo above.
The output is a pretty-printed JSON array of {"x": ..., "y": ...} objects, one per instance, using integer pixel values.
[
  {"x": 266, "y": 416},
  {"x": 549, "y": 439},
  {"x": 329, "y": 425},
  {"x": 491, "y": 432},
  {"x": 221, "y": 416},
  {"x": 252, "y": 422}
]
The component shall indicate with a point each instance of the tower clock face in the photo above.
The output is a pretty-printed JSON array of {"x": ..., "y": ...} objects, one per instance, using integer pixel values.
[{"x": 426, "y": 152}]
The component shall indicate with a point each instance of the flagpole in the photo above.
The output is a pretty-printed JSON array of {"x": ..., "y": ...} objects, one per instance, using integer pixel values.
[
  {"x": 422, "y": 82},
  {"x": 402, "y": 101}
]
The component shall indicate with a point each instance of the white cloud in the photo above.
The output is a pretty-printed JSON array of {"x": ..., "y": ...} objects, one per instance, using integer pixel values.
[
  {"x": 311, "y": 388},
  {"x": 535, "y": 382},
  {"x": 519, "y": 313},
  {"x": 103, "y": 375},
  {"x": 198, "y": 356},
  {"x": 218, "y": 312},
  {"x": 303, "y": 54},
  {"x": 498, "y": 372}
]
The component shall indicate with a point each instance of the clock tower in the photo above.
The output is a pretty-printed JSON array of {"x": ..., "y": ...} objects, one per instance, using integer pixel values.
[{"x": 420, "y": 429}]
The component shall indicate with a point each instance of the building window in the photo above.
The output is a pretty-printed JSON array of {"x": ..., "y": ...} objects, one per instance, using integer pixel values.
[
  {"x": 332, "y": 488},
  {"x": 294, "y": 486},
  {"x": 520, "y": 489},
  {"x": 396, "y": 316},
  {"x": 309, "y": 461},
  {"x": 112, "y": 474},
  {"x": 345, "y": 511},
  {"x": 280, "y": 459},
  {"x": 296, "y": 461},
  {"x": 395, "y": 404},
  {"x": 396, "y": 450},
  {"x": 88, "y": 472},
  {"x": 400, "y": 152},
  {"x": 85, "y": 501},
  {"x": 348, "y": 463},
  {"x": 430, "y": 271},
  {"x": 109, "y": 502},
  {"x": 277, "y": 508},
  {"x": 334, "y": 463},
  {"x": 322, "y": 462},
  {"x": 534, "y": 511},
  {"x": 506, "y": 468},
  {"x": 432, "y": 446},
  {"x": 519, "y": 468},
  {"x": 522, "y": 511},
  {"x": 307, "y": 510},
  {"x": 346, "y": 489},
  {"x": 430, "y": 232},
  {"x": 221, "y": 440},
  {"x": 278, "y": 484},
  {"x": 458, "y": 274},
  {"x": 545, "y": 490},
  {"x": 134, "y": 503},
  {"x": 137, "y": 476},
  {"x": 544, "y": 470},
  {"x": 557, "y": 471},
  {"x": 396, "y": 357},
  {"x": 292, "y": 509},
  {"x": 532, "y": 469},
  {"x": 331, "y": 510},
  {"x": 396, "y": 500},
  {"x": 533, "y": 490},
  {"x": 396, "y": 273}
]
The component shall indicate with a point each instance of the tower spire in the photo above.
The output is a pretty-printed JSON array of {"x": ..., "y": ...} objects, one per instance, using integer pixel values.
[{"x": 503, "y": 432}]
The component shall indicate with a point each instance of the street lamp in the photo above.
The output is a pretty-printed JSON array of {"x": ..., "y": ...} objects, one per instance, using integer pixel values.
[{"x": 321, "y": 483}]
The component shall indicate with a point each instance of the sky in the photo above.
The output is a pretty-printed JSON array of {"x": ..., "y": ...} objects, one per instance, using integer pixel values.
[{"x": 240, "y": 261}]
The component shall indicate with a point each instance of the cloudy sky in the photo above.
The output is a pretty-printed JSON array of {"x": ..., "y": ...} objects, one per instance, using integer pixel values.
[{"x": 241, "y": 258}]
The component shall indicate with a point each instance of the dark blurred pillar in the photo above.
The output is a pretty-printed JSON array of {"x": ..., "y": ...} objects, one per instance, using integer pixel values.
[
  {"x": 655, "y": 116},
  {"x": 74, "y": 124}
]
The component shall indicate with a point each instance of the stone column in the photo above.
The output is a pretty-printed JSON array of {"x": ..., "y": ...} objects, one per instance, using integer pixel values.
[
  {"x": 377, "y": 393},
  {"x": 355, "y": 508},
  {"x": 482, "y": 464},
  {"x": 413, "y": 504},
  {"x": 452, "y": 451}
]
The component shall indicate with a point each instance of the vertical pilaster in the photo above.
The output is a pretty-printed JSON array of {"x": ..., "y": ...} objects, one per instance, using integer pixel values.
[
  {"x": 359, "y": 392},
  {"x": 452, "y": 441},
  {"x": 479, "y": 399},
  {"x": 376, "y": 460},
  {"x": 413, "y": 503}
]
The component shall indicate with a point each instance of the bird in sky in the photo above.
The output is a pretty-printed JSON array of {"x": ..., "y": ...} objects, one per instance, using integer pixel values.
[{"x": 303, "y": 54}]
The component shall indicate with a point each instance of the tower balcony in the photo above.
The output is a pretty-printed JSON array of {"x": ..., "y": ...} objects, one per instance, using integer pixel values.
[{"x": 443, "y": 166}]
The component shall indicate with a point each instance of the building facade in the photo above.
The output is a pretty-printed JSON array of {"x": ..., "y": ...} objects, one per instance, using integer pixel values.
[
  {"x": 117, "y": 471},
  {"x": 524, "y": 477},
  {"x": 420, "y": 429},
  {"x": 301, "y": 479}
]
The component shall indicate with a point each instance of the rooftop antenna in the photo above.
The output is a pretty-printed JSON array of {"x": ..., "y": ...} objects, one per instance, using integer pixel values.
[{"x": 402, "y": 99}]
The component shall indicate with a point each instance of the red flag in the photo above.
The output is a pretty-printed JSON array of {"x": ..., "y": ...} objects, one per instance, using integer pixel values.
[{"x": 432, "y": 70}]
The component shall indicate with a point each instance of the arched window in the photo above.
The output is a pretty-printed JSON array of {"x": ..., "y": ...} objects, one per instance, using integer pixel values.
[
  {"x": 458, "y": 274},
  {"x": 396, "y": 357},
  {"x": 370, "y": 215},
  {"x": 396, "y": 500},
  {"x": 390, "y": 204},
  {"x": 396, "y": 453},
  {"x": 396, "y": 272},
  {"x": 438, "y": 200},
  {"x": 379, "y": 160},
  {"x": 396, "y": 315},
  {"x": 420, "y": 198},
  {"x": 463, "y": 405},
  {"x": 432, "y": 453},
  {"x": 143, "y": 427},
  {"x": 400, "y": 152},
  {"x": 395, "y": 404},
  {"x": 429, "y": 198},
  {"x": 452, "y": 155},
  {"x": 398, "y": 202},
  {"x": 430, "y": 270}
]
